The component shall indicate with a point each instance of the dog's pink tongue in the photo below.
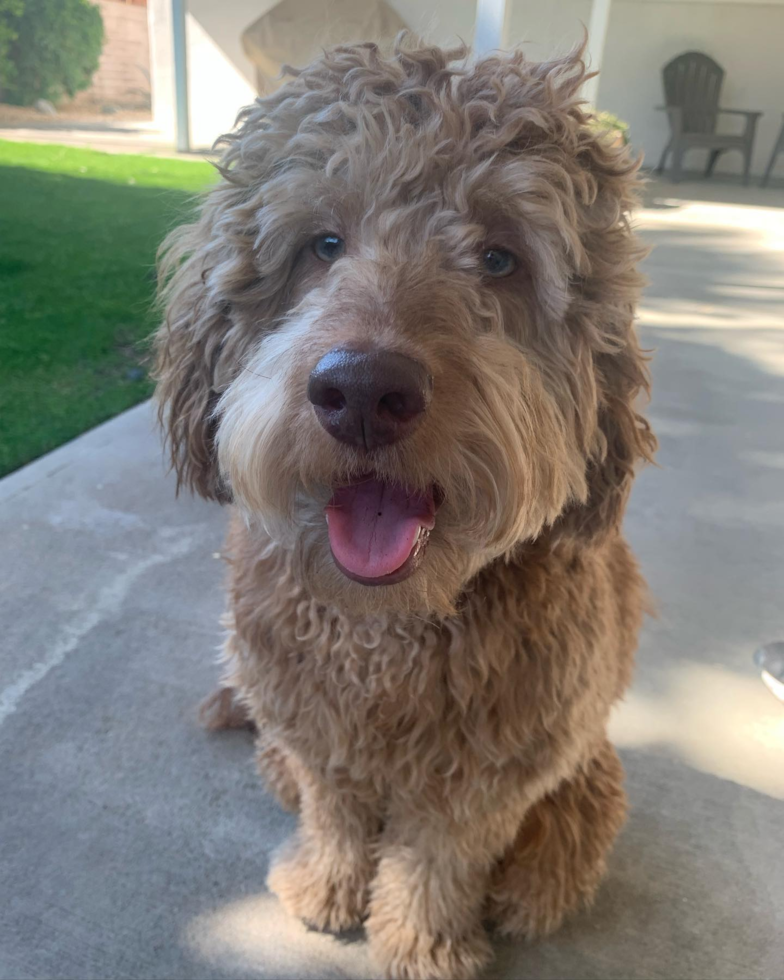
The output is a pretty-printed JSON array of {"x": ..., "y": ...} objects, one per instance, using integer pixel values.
[{"x": 373, "y": 526}]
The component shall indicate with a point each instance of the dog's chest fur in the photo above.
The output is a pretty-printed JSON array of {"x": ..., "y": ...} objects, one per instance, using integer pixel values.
[{"x": 520, "y": 680}]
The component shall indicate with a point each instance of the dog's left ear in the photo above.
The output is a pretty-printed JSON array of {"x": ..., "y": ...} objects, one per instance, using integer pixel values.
[
  {"x": 610, "y": 369},
  {"x": 623, "y": 441},
  {"x": 590, "y": 186},
  {"x": 604, "y": 301}
]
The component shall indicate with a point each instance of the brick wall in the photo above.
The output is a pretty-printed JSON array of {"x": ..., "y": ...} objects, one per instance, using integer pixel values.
[{"x": 123, "y": 75}]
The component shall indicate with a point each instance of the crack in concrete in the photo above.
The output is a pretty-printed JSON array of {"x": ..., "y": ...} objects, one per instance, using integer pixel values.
[{"x": 108, "y": 601}]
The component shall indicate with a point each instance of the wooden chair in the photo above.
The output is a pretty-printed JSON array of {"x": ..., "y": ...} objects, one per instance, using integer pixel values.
[{"x": 692, "y": 86}]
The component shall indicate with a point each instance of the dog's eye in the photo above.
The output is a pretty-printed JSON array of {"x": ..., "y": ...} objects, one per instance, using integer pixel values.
[
  {"x": 329, "y": 248},
  {"x": 498, "y": 262}
]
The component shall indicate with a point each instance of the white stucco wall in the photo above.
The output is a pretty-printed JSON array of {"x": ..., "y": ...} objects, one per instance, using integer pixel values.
[
  {"x": 744, "y": 36},
  {"x": 441, "y": 21},
  {"x": 220, "y": 77}
]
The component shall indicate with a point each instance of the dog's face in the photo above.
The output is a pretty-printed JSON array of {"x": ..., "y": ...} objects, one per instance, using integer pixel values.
[{"x": 400, "y": 336}]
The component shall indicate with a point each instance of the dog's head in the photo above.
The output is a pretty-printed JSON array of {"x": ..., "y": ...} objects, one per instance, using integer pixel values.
[{"x": 400, "y": 334}]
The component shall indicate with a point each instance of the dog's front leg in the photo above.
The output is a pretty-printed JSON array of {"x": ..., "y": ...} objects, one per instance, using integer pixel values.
[
  {"x": 426, "y": 902},
  {"x": 322, "y": 875}
]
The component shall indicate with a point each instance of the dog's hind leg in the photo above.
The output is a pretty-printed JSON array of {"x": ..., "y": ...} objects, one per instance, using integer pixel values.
[
  {"x": 224, "y": 710},
  {"x": 559, "y": 854}
]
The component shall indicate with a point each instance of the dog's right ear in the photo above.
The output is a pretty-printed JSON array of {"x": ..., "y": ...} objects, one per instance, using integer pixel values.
[
  {"x": 223, "y": 277},
  {"x": 188, "y": 349}
]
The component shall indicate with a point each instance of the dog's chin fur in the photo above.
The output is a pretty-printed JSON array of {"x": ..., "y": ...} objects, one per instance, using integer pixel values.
[
  {"x": 432, "y": 590},
  {"x": 445, "y": 735}
]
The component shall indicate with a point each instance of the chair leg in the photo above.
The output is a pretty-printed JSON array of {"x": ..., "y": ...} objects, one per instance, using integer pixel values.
[
  {"x": 712, "y": 158},
  {"x": 778, "y": 148},
  {"x": 677, "y": 163},
  {"x": 768, "y": 170},
  {"x": 663, "y": 160},
  {"x": 746, "y": 164}
]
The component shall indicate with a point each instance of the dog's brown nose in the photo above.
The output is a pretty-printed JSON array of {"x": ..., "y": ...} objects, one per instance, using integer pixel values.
[{"x": 369, "y": 398}]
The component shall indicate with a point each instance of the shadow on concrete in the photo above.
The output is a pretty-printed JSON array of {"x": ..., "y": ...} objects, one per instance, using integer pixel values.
[{"x": 681, "y": 873}]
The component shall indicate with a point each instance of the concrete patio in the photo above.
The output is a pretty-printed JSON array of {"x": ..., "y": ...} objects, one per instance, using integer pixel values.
[{"x": 133, "y": 845}]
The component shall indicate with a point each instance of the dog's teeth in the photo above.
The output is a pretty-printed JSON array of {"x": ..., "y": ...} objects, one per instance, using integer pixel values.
[{"x": 419, "y": 542}]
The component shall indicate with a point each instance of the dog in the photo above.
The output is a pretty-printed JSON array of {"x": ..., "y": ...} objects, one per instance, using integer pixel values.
[{"x": 399, "y": 340}]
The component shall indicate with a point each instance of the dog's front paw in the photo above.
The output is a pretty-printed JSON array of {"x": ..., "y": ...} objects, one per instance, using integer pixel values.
[
  {"x": 403, "y": 952},
  {"x": 323, "y": 890}
]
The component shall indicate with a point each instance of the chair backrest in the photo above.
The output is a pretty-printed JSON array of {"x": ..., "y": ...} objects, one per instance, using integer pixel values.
[{"x": 693, "y": 82}]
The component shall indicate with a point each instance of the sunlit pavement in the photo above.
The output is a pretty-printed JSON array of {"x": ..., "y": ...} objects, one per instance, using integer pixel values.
[
  {"x": 133, "y": 845},
  {"x": 110, "y": 137}
]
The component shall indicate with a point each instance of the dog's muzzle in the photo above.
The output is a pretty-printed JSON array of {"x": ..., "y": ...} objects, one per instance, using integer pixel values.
[{"x": 378, "y": 531}]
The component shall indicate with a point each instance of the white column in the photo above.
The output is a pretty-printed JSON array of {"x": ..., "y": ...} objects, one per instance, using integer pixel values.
[
  {"x": 597, "y": 35},
  {"x": 490, "y": 29},
  {"x": 159, "y": 27},
  {"x": 180, "y": 44}
]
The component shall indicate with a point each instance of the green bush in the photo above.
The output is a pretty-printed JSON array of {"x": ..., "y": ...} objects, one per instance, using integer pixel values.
[
  {"x": 609, "y": 123},
  {"x": 10, "y": 12},
  {"x": 56, "y": 50}
]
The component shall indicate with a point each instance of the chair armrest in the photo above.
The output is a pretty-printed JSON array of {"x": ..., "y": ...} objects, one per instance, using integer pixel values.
[
  {"x": 740, "y": 112},
  {"x": 750, "y": 117}
]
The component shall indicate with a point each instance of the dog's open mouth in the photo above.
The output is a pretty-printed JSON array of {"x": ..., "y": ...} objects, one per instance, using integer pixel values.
[{"x": 378, "y": 531}]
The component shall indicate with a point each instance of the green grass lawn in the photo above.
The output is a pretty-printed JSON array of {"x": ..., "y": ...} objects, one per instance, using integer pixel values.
[{"x": 78, "y": 234}]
